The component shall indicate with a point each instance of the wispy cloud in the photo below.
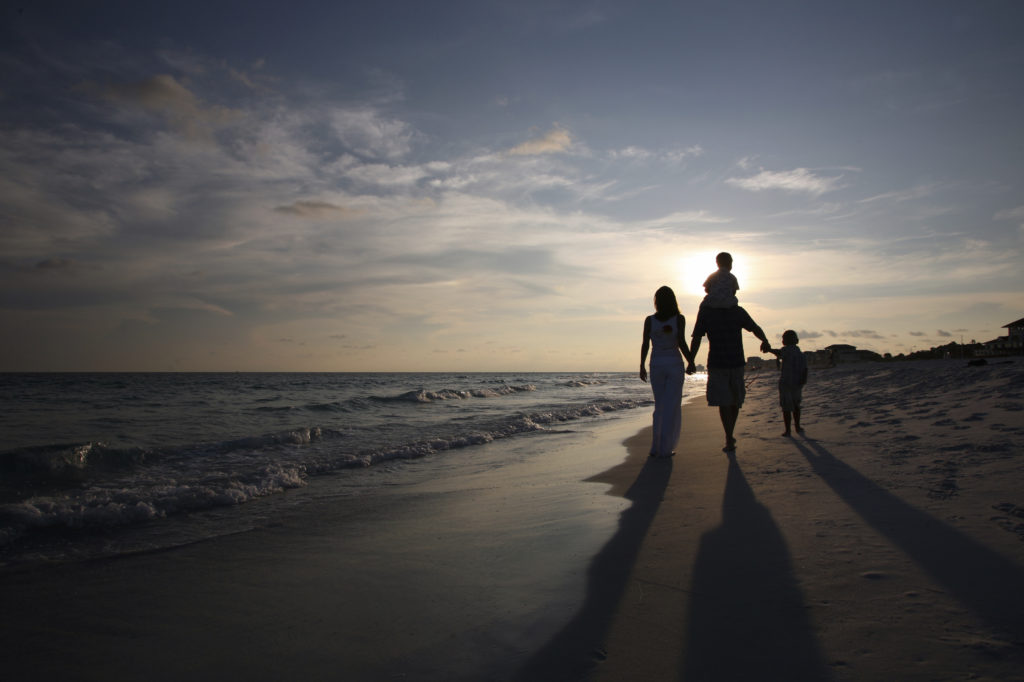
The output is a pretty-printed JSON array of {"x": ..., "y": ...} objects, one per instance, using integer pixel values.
[
  {"x": 369, "y": 135},
  {"x": 671, "y": 156},
  {"x": 1010, "y": 214},
  {"x": 555, "y": 140},
  {"x": 863, "y": 334},
  {"x": 165, "y": 96},
  {"x": 796, "y": 180},
  {"x": 918, "y": 192},
  {"x": 682, "y": 219},
  {"x": 317, "y": 209}
]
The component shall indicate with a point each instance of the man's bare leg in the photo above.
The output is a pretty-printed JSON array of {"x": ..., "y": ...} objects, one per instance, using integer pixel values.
[{"x": 729, "y": 414}]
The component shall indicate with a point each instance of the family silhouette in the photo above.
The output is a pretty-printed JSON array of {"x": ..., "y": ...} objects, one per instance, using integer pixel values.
[{"x": 722, "y": 320}]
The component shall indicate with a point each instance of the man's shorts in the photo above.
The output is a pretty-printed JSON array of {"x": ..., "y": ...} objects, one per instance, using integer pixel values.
[
  {"x": 790, "y": 397},
  {"x": 726, "y": 387}
]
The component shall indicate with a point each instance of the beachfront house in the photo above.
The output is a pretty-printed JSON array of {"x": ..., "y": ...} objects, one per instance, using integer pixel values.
[
  {"x": 1011, "y": 344},
  {"x": 830, "y": 356},
  {"x": 842, "y": 353},
  {"x": 756, "y": 364}
]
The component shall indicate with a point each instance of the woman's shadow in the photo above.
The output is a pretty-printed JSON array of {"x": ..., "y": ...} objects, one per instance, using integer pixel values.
[
  {"x": 578, "y": 647},
  {"x": 747, "y": 617}
]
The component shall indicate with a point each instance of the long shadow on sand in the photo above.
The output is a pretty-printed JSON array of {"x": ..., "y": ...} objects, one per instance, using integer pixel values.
[
  {"x": 982, "y": 580},
  {"x": 747, "y": 618},
  {"x": 574, "y": 651}
]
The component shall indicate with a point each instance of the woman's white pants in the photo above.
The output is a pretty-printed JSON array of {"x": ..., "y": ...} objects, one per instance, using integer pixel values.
[{"x": 667, "y": 384}]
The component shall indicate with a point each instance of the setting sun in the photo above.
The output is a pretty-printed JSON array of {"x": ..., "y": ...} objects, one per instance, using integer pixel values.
[{"x": 695, "y": 268}]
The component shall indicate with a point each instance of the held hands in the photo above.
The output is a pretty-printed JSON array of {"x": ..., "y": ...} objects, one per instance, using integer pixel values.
[
  {"x": 766, "y": 347},
  {"x": 691, "y": 368}
]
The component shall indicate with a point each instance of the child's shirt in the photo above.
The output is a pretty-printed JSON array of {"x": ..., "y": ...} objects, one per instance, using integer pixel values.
[
  {"x": 794, "y": 366},
  {"x": 721, "y": 287}
]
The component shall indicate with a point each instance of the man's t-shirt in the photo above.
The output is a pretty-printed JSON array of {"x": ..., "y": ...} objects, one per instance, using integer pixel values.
[{"x": 724, "y": 328}]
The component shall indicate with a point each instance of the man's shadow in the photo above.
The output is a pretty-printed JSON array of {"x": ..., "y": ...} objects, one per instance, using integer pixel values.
[
  {"x": 747, "y": 617},
  {"x": 984, "y": 581},
  {"x": 578, "y": 647}
]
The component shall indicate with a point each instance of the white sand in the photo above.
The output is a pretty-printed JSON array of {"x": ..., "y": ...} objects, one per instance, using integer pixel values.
[{"x": 886, "y": 544}]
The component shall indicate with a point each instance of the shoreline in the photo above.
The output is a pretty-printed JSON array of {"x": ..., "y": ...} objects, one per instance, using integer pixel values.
[{"x": 447, "y": 570}]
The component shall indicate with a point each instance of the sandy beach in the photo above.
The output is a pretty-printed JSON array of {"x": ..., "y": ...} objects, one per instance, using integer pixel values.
[{"x": 887, "y": 542}]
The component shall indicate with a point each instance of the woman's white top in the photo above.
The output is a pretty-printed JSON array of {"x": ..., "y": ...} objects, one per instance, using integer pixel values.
[{"x": 665, "y": 341}]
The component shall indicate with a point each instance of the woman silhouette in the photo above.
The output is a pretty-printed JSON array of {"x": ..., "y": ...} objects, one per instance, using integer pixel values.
[{"x": 665, "y": 332}]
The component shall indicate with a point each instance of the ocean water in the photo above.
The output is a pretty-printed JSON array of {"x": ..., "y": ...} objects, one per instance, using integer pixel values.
[{"x": 101, "y": 464}]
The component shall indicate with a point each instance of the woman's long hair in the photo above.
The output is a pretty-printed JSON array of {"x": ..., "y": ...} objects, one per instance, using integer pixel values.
[{"x": 665, "y": 303}]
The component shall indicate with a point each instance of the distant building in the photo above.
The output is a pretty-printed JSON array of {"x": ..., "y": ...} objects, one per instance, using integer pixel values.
[
  {"x": 755, "y": 363},
  {"x": 842, "y": 353},
  {"x": 1011, "y": 344},
  {"x": 818, "y": 358}
]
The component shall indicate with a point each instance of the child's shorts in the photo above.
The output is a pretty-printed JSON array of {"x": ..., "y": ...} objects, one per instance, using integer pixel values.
[{"x": 790, "y": 397}]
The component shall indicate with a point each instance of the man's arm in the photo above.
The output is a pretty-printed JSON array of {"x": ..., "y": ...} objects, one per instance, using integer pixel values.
[
  {"x": 681, "y": 340},
  {"x": 754, "y": 329},
  {"x": 694, "y": 346},
  {"x": 698, "y": 334},
  {"x": 766, "y": 346}
]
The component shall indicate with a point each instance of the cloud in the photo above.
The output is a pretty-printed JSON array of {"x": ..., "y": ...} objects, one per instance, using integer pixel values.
[
  {"x": 556, "y": 140},
  {"x": 387, "y": 175},
  {"x": 189, "y": 303},
  {"x": 317, "y": 209},
  {"x": 369, "y": 135},
  {"x": 853, "y": 334},
  {"x": 797, "y": 180},
  {"x": 1010, "y": 214},
  {"x": 944, "y": 334},
  {"x": 162, "y": 94},
  {"x": 55, "y": 264},
  {"x": 804, "y": 334},
  {"x": 681, "y": 219},
  {"x": 918, "y": 192},
  {"x": 917, "y": 334},
  {"x": 863, "y": 334},
  {"x": 672, "y": 156}
]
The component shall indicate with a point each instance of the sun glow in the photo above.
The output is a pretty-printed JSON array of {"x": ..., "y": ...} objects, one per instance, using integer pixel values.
[{"x": 695, "y": 267}]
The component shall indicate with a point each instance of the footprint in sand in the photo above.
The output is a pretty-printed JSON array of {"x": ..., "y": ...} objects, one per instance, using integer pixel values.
[{"x": 1010, "y": 522}]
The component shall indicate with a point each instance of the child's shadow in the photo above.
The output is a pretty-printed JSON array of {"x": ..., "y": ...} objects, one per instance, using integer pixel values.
[{"x": 982, "y": 580}]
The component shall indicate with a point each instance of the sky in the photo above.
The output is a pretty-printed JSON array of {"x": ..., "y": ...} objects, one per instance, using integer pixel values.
[{"x": 490, "y": 185}]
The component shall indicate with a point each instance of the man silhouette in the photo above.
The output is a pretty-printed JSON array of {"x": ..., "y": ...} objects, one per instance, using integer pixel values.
[{"x": 726, "y": 388}]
